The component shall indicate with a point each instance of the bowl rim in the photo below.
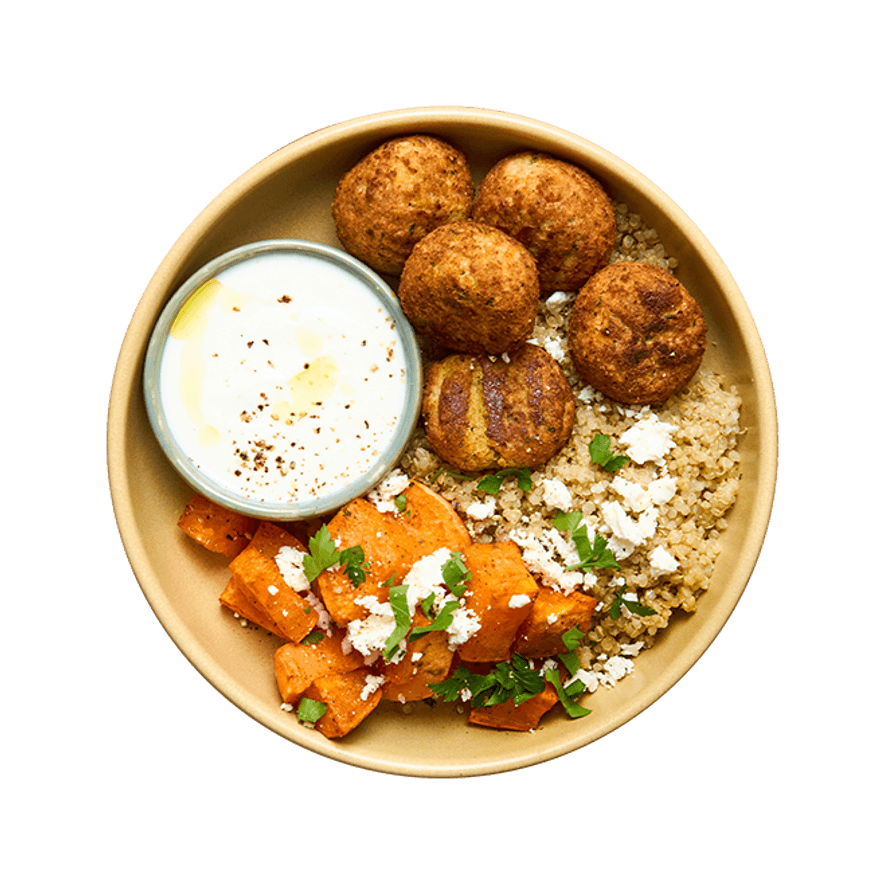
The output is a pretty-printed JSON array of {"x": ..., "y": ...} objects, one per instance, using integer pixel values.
[
  {"x": 223, "y": 495},
  {"x": 378, "y": 125}
]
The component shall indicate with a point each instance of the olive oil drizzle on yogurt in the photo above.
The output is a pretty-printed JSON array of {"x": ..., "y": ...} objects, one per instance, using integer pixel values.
[{"x": 283, "y": 378}]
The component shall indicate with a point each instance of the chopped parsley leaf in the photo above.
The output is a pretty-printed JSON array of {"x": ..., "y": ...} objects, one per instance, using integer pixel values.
[
  {"x": 491, "y": 484},
  {"x": 630, "y": 605},
  {"x": 566, "y": 696},
  {"x": 323, "y": 554},
  {"x": 310, "y": 711},
  {"x": 601, "y": 454},
  {"x": 455, "y": 573},
  {"x": 593, "y": 554},
  {"x": 397, "y": 600}
]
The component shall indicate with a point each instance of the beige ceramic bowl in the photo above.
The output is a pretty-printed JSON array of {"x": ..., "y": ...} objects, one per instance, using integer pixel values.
[{"x": 288, "y": 195}]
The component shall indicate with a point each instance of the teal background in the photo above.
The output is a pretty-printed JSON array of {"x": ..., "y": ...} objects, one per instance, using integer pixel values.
[{"x": 123, "y": 123}]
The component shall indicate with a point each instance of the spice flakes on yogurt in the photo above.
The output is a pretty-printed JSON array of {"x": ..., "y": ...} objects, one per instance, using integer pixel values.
[{"x": 283, "y": 377}]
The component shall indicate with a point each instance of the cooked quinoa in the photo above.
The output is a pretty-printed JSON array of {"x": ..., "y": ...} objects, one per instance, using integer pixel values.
[{"x": 662, "y": 516}]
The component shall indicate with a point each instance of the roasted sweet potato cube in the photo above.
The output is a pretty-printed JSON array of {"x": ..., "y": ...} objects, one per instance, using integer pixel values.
[
  {"x": 215, "y": 528},
  {"x": 552, "y": 615},
  {"x": 391, "y": 542},
  {"x": 500, "y": 593},
  {"x": 237, "y": 599},
  {"x": 507, "y": 716},
  {"x": 427, "y": 660},
  {"x": 349, "y": 698},
  {"x": 297, "y": 666},
  {"x": 385, "y": 547},
  {"x": 431, "y": 522},
  {"x": 261, "y": 579},
  {"x": 269, "y": 538}
]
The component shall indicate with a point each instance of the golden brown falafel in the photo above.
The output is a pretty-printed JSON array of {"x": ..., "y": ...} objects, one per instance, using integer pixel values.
[
  {"x": 511, "y": 411},
  {"x": 471, "y": 288},
  {"x": 396, "y": 195},
  {"x": 636, "y": 334},
  {"x": 558, "y": 211}
]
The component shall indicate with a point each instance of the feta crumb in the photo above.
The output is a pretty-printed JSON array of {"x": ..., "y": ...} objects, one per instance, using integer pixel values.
[
  {"x": 395, "y": 483},
  {"x": 556, "y": 493},
  {"x": 290, "y": 563},
  {"x": 520, "y": 600},
  {"x": 481, "y": 509},
  {"x": 286, "y": 707},
  {"x": 649, "y": 439},
  {"x": 628, "y": 533},
  {"x": 662, "y": 562},
  {"x": 368, "y": 635},
  {"x": 372, "y": 684},
  {"x": 273, "y": 590},
  {"x": 464, "y": 624},
  {"x": 555, "y": 349}
]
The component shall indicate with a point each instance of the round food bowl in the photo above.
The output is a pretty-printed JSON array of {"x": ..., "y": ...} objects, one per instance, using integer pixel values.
[
  {"x": 286, "y": 290},
  {"x": 288, "y": 195}
]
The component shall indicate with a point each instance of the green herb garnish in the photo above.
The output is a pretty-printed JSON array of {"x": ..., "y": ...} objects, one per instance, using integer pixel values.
[
  {"x": 567, "y": 695},
  {"x": 630, "y": 605},
  {"x": 440, "y": 623},
  {"x": 313, "y": 638},
  {"x": 352, "y": 560},
  {"x": 400, "y": 504},
  {"x": 491, "y": 484},
  {"x": 323, "y": 554},
  {"x": 310, "y": 711},
  {"x": 601, "y": 454},
  {"x": 455, "y": 574},
  {"x": 400, "y": 607},
  {"x": 593, "y": 554},
  {"x": 515, "y": 681}
]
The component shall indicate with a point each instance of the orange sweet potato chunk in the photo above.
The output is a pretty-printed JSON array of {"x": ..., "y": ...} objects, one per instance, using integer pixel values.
[
  {"x": 215, "y": 528},
  {"x": 344, "y": 694},
  {"x": 298, "y": 666},
  {"x": 236, "y": 598},
  {"x": 553, "y": 614},
  {"x": 427, "y": 661},
  {"x": 507, "y": 716},
  {"x": 260, "y": 577},
  {"x": 498, "y": 574},
  {"x": 392, "y": 543}
]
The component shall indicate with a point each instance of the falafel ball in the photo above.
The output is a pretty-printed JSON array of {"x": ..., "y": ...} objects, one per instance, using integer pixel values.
[
  {"x": 482, "y": 412},
  {"x": 558, "y": 211},
  {"x": 636, "y": 334},
  {"x": 470, "y": 287},
  {"x": 396, "y": 195}
]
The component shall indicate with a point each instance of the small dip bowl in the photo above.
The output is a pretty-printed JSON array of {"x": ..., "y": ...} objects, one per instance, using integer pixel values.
[{"x": 282, "y": 379}]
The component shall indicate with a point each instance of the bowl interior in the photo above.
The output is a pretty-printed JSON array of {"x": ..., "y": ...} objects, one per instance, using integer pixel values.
[{"x": 288, "y": 195}]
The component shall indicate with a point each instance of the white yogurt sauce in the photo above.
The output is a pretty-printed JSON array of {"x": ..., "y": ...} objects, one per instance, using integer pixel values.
[{"x": 283, "y": 377}]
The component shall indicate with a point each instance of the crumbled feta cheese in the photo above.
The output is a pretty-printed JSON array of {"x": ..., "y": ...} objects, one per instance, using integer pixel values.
[
  {"x": 587, "y": 394},
  {"x": 555, "y": 349},
  {"x": 520, "y": 600},
  {"x": 372, "y": 683},
  {"x": 557, "y": 300},
  {"x": 649, "y": 439},
  {"x": 548, "y": 557},
  {"x": 481, "y": 509},
  {"x": 369, "y": 635},
  {"x": 662, "y": 490},
  {"x": 589, "y": 678},
  {"x": 628, "y": 533},
  {"x": 384, "y": 494},
  {"x": 556, "y": 494},
  {"x": 632, "y": 649},
  {"x": 464, "y": 624},
  {"x": 273, "y": 590},
  {"x": 662, "y": 562},
  {"x": 290, "y": 563},
  {"x": 615, "y": 669},
  {"x": 286, "y": 707},
  {"x": 426, "y": 577}
]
